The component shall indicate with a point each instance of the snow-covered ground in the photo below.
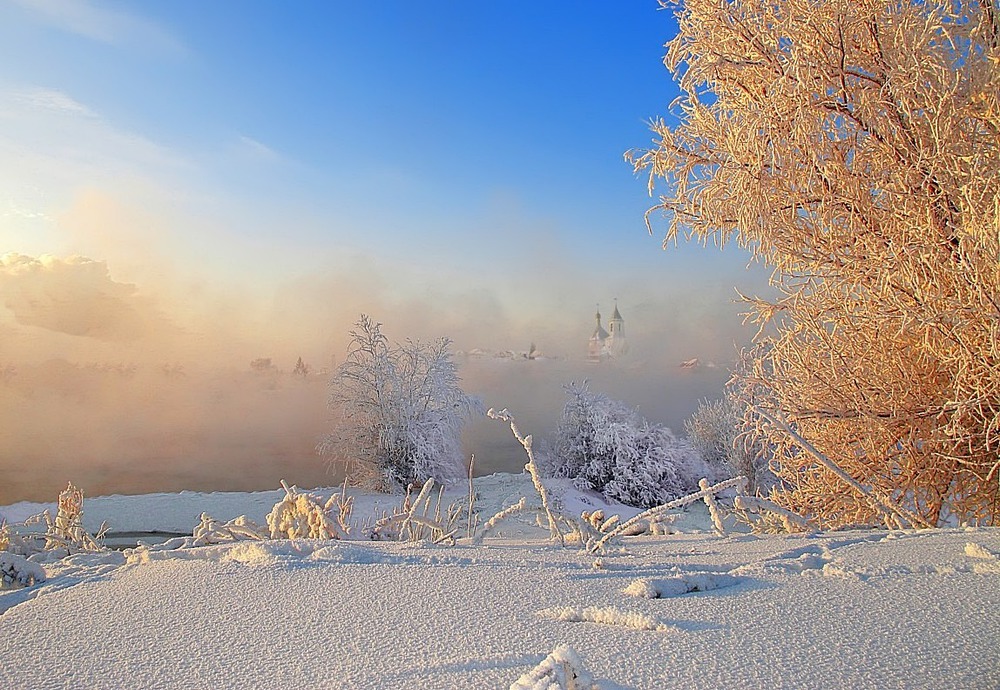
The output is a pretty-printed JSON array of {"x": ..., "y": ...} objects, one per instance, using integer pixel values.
[{"x": 863, "y": 609}]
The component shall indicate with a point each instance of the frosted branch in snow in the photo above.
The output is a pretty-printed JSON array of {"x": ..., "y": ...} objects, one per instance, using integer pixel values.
[
  {"x": 678, "y": 585},
  {"x": 713, "y": 507},
  {"x": 756, "y": 505},
  {"x": 212, "y": 531},
  {"x": 560, "y": 670},
  {"x": 974, "y": 550},
  {"x": 672, "y": 505}
]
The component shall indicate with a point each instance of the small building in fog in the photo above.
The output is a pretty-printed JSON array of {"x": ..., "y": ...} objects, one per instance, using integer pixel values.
[{"x": 608, "y": 344}]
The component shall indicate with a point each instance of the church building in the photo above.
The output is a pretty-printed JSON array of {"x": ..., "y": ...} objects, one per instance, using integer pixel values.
[{"x": 610, "y": 344}]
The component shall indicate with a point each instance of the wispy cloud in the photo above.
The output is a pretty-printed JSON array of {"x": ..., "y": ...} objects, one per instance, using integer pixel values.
[
  {"x": 41, "y": 121},
  {"x": 85, "y": 18},
  {"x": 42, "y": 98}
]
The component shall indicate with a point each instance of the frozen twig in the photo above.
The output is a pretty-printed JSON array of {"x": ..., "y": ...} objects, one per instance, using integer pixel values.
[{"x": 754, "y": 504}]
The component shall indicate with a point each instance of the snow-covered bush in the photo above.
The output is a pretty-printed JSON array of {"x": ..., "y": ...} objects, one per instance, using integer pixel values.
[
  {"x": 301, "y": 515},
  {"x": 399, "y": 409},
  {"x": 603, "y": 445},
  {"x": 17, "y": 571},
  {"x": 717, "y": 431}
]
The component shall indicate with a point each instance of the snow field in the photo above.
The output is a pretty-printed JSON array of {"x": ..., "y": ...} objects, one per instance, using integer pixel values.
[
  {"x": 862, "y": 609},
  {"x": 289, "y": 614}
]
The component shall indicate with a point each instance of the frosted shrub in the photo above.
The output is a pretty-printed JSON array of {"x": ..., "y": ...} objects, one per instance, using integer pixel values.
[
  {"x": 400, "y": 411},
  {"x": 65, "y": 532},
  {"x": 717, "y": 431},
  {"x": 603, "y": 445}
]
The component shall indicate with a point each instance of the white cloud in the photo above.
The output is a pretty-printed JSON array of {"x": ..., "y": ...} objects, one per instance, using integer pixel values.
[{"x": 85, "y": 18}]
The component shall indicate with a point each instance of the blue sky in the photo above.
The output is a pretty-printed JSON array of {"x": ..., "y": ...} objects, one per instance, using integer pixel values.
[{"x": 271, "y": 157}]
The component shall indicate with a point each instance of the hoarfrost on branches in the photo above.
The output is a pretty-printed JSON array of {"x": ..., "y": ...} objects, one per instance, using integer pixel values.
[
  {"x": 65, "y": 533},
  {"x": 400, "y": 411},
  {"x": 854, "y": 149},
  {"x": 605, "y": 446}
]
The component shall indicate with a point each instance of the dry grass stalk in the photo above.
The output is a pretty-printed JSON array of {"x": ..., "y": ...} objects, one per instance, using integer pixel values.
[{"x": 412, "y": 521}]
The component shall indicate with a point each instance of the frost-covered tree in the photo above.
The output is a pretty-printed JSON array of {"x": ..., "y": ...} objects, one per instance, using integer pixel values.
[
  {"x": 301, "y": 368},
  {"x": 603, "y": 445},
  {"x": 854, "y": 147},
  {"x": 399, "y": 411}
]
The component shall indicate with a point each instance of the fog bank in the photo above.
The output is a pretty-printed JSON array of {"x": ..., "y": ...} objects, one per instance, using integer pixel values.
[{"x": 165, "y": 385}]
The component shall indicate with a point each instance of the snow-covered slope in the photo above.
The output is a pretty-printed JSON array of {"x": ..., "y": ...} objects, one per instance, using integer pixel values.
[{"x": 692, "y": 610}]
